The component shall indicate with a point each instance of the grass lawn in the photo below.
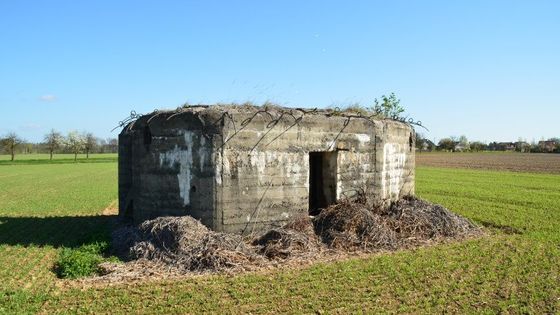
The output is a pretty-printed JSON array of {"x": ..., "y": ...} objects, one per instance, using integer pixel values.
[
  {"x": 514, "y": 269},
  {"x": 42, "y": 208},
  {"x": 57, "y": 190}
]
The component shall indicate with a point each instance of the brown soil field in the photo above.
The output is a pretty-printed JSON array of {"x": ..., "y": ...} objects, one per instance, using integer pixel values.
[{"x": 516, "y": 162}]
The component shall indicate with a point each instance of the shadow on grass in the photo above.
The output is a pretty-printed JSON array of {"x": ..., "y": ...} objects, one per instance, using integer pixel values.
[
  {"x": 68, "y": 231},
  {"x": 504, "y": 228}
]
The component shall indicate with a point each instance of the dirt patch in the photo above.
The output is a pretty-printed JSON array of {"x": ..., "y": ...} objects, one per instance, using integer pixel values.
[
  {"x": 111, "y": 209},
  {"x": 168, "y": 246}
]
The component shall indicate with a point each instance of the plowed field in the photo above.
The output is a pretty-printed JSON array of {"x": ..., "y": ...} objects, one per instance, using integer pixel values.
[{"x": 515, "y": 162}]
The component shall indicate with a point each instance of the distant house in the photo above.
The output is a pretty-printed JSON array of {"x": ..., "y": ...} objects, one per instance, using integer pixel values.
[
  {"x": 548, "y": 146},
  {"x": 461, "y": 147}
]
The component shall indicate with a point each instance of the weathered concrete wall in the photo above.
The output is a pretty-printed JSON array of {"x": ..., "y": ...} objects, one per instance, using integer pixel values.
[
  {"x": 395, "y": 161},
  {"x": 242, "y": 171},
  {"x": 264, "y": 169},
  {"x": 166, "y": 168},
  {"x": 265, "y": 174}
]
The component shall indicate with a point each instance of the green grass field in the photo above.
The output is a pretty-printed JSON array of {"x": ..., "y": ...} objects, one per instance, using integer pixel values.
[
  {"x": 514, "y": 269},
  {"x": 44, "y": 207},
  {"x": 39, "y": 158}
]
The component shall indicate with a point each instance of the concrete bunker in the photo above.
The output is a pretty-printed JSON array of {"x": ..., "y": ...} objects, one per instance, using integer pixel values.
[{"x": 241, "y": 168}]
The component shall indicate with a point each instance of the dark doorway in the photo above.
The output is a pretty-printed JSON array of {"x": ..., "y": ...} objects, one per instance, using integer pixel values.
[{"x": 322, "y": 180}]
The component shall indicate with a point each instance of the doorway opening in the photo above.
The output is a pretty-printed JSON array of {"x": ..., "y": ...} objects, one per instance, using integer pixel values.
[{"x": 322, "y": 180}]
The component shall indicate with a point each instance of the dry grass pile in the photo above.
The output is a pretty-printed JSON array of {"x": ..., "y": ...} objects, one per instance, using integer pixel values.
[
  {"x": 186, "y": 244},
  {"x": 410, "y": 221},
  {"x": 353, "y": 226},
  {"x": 182, "y": 244},
  {"x": 416, "y": 219},
  {"x": 295, "y": 239}
]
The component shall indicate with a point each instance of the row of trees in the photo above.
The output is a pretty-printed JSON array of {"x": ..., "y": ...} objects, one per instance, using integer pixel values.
[
  {"x": 462, "y": 144},
  {"x": 53, "y": 142}
]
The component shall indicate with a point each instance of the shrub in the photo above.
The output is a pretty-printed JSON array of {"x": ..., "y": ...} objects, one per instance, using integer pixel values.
[
  {"x": 388, "y": 107},
  {"x": 82, "y": 261}
]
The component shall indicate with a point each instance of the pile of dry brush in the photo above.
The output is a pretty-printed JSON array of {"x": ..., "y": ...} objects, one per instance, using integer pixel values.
[{"x": 184, "y": 244}]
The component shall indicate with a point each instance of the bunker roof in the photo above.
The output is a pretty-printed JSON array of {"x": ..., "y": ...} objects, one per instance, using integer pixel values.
[{"x": 211, "y": 115}]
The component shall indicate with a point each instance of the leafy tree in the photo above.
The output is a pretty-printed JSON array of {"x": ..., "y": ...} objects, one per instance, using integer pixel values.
[
  {"x": 446, "y": 144},
  {"x": 478, "y": 146},
  {"x": 535, "y": 148},
  {"x": 424, "y": 144},
  {"x": 419, "y": 141},
  {"x": 90, "y": 142},
  {"x": 10, "y": 142},
  {"x": 75, "y": 142},
  {"x": 53, "y": 140},
  {"x": 389, "y": 107}
]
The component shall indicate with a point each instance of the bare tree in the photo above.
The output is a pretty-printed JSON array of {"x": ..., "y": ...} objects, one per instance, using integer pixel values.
[
  {"x": 10, "y": 142},
  {"x": 27, "y": 147},
  {"x": 52, "y": 141},
  {"x": 420, "y": 139},
  {"x": 75, "y": 143},
  {"x": 464, "y": 143},
  {"x": 90, "y": 142},
  {"x": 102, "y": 145},
  {"x": 113, "y": 144}
]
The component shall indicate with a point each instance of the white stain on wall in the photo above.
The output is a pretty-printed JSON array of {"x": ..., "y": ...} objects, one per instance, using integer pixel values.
[
  {"x": 363, "y": 138},
  {"x": 394, "y": 160},
  {"x": 338, "y": 188},
  {"x": 218, "y": 167},
  {"x": 202, "y": 152},
  {"x": 257, "y": 160},
  {"x": 183, "y": 157}
]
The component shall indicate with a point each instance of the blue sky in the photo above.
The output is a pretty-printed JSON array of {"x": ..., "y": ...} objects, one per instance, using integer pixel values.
[{"x": 485, "y": 69}]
